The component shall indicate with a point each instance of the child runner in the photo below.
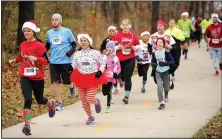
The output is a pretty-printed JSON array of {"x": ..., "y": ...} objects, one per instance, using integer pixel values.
[
  {"x": 33, "y": 57},
  {"x": 161, "y": 60},
  {"x": 86, "y": 75},
  {"x": 143, "y": 58},
  {"x": 161, "y": 33},
  {"x": 214, "y": 34},
  {"x": 126, "y": 53},
  {"x": 113, "y": 67},
  {"x": 111, "y": 32}
]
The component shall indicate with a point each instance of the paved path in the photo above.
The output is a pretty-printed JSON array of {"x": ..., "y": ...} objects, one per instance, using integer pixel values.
[{"x": 195, "y": 99}]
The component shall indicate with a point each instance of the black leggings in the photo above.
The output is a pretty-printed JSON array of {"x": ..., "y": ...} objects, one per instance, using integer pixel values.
[
  {"x": 176, "y": 53},
  {"x": 127, "y": 68},
  {"x": 198, "y": 36},
  {"x": 37, "y": 86},
  {"x": 142, "y": 70},
  {"x": 107, "y": 91}
]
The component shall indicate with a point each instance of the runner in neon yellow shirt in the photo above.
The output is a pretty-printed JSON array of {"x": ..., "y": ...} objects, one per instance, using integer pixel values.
[
  {"x": 178, "y": 36},
  {"x": 204, "y": 24},
  {"x": 186, "y": 26}
]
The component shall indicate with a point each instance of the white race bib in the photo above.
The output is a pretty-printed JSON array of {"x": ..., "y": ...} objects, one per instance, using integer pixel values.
[
  {"x": 126, "y": 51},
  {"x": 56, "y": 40},
  {"x": 185, "y": 33},
  {"x": 30, "y": 71},
  {"x": 215, "y": 41}
]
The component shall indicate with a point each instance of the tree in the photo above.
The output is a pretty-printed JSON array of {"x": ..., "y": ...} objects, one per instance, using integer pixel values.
[
  {"x": 155, "y": 14},
  {"x": 26, "y": 13}
]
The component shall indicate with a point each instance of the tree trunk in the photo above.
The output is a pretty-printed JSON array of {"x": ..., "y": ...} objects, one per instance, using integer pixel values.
[
  {"x": 116, "y": 14},
  {"x": 26, "y": 12},
  {"x": 155, "y": 14}
]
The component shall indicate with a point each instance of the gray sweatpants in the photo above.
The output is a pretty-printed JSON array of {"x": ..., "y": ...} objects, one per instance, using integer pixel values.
[
  {"x": 215, "y": 55},
  {"x": 163, "y": 82}
]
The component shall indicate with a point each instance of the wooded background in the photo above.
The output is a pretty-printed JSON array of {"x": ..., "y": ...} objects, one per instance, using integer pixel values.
[{"x": 93, "y": 17}]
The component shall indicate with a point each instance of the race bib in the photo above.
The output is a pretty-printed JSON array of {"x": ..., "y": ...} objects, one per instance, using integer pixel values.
[
  {"x": 215, "y": 41},
  {"x": 159, "y": 58},
  {"x": 30, "y": 71},
  {"x": 146, "y": 55},
  {"x": 56, "y": 41},
  {"x": 185, "y": 33},
  {"x": 126, "y": 51}
]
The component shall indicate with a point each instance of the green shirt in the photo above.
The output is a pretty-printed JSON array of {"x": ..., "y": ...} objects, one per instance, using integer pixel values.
[
  {"x": 176, "y": 33},
  {"x": 205, "y": 23},
  {"x": 185, "y": 26}
]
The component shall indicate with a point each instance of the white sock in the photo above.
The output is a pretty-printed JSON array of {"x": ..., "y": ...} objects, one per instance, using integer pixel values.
[{"x": 162, "y": 102}]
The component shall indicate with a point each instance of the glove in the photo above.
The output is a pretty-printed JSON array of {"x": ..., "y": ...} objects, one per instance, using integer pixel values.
[
  {"x": 161, "y": 63},
  {"x": 153, "y": 65},
  {"x": 115, "y": 75},
  {"x": 68, "y": 54},
  {"x": 98, "y": 74}
]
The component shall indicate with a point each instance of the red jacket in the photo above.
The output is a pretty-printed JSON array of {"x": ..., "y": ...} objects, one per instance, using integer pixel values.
[
  {"x": 36, "y": 49},
  {"x": 128, "y": 40},
  {"x": 214, "y": 32}
]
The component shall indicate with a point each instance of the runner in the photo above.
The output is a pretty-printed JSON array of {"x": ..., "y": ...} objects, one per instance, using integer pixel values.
[
  {"x": 204, "y": 24},
  {"x": 126, "y": 41},
  {"x": 61, "y": 42},
  {"x": 87, "y": 76},
  {"x": 214, "y": 33},
  {"x": 143, "y": 58},
  {"x": 178, "y": 36},
  {"x": 193, "y": 38},
  {"x": 161, "y": 25},
  {"x": 113, "y": 66},
  {"x": 186, "y": 26},
  {"x": 111, "y": 32},
  {"x": 161, "y": 60},
  {"x": 33, "y": 57},
  {"x": 198, "y": 30}
]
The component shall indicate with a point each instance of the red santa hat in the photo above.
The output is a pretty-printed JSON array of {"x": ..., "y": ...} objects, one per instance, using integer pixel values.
[
  {"x": 161, "y": 22},
  {"x": 85, "y": 35},
  {"x": 215, "y": 15},
  {"x": 31, "y": 25},
  {"x": 144, "y": 32},
  {"x": 184, "y": 13}
]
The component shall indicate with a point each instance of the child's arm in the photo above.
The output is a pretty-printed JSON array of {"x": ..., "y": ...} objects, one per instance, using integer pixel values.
[{"x": 118, "y": 67}]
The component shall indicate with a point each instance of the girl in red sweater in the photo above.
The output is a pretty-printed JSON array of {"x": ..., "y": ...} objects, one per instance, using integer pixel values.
[{"x": 32, "y": 56}]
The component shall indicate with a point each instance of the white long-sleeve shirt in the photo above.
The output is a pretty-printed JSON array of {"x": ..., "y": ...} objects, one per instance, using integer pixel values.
[{"x": 88, "y": 61}]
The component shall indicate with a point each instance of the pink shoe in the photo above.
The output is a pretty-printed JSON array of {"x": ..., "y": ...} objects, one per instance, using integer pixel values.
[
  {"x": 143, "y": 90},
  {"x": 122, "y": 84},
  {"x": 116, "y": 92},
  {"x": 216, "y": 73}
]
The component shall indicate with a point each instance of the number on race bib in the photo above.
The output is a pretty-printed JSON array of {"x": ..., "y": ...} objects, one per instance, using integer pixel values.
[
  {"x": 56, "y": 40},
  {"x": 185, "y": 33},
  {"x": 126, "y": 51},
  {"x": 215, "y": 41},
  {"x": 30, "y": 71}
]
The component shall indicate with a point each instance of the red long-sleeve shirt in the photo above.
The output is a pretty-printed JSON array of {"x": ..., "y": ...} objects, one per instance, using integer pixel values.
[
  {"x": 214, "y": 32},
  {"x": 34, "y": 48}
]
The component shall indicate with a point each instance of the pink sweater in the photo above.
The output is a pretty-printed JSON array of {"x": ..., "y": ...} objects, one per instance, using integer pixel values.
[{"x": 113, "y": 66}]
